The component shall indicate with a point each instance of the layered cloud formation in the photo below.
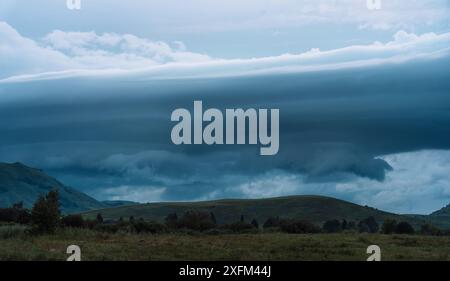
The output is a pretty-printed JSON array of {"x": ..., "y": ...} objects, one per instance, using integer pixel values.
[
  {"x": 71, "y": 51},
  {"x": 64, "y": 54},
  {"x": 367, "y": 123}
]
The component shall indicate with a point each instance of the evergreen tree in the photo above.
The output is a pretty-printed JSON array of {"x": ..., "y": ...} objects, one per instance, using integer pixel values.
[
  {"x": 99, "y": 218},
  {"x": 45, "y": 214},
  {"x": 213, "y": 218},
  {"x": 255, "y": 223}
]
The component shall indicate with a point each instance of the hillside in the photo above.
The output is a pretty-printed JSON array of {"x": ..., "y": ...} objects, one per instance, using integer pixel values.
[
  {"x": 316, "y": 209},
  {"x": 442, "y": 212},
  {"x": 21, "y": 183}
]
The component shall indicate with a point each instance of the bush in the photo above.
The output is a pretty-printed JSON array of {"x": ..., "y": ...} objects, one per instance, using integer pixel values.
[
  {"x": 428, "y": 229},
  {"x": 196, "y": 220},
  {"x": 332, "y": 226},
  {"x": 99, "y": 218},
  {"x": 15, "y": 214},
  {"x": 389, "y": 226},
  {"x": 255, "y": 223},
  {"x": 344, "y": 225},
  {"x": 148, "y": 227},
  {"x": 172, "y": 220},
  {"x": 351, "y": 225},
  {"x": 298, "y": 226},
  {"x": 45, "y": 214},
  {"x": 368, "y": 225},
  {"x": 20, "y": 216},
  {"x": 238, "y": 227},
  {"x": 75, "y": 221},
  {"x": 404, "y": 228},
  {"x": 272, "y": 222}
]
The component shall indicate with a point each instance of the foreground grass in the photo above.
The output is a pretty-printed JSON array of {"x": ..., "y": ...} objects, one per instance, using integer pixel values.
[{"x": 254, "y": 247}]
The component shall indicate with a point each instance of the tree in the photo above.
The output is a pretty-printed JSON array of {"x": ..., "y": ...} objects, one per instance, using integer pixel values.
[
  {"x": 45, "y": 214},
  {"x": 255, "y": 223},
  {"x": 404, "y": 228},
  {"x": 242, "y": 218},
  {"x": 131, "y": 219},
  {"x": 368, "y": 225},
  {"x": 213, "y": 218},
  {"x": 99, "y": 218},
  {"x": 332, "y": 226},
  {"x": 389, "y": 226},
  {"x": 344, "y": 224}
]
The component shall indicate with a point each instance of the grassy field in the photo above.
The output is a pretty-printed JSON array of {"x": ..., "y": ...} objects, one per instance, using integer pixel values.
[{"x": 15, "y": 245}]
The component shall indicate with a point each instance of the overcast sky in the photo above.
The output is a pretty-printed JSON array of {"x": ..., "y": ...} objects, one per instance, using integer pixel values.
[{"x": 363, "y": 96}]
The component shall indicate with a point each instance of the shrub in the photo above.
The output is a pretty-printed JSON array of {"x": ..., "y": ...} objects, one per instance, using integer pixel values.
[
  {"x": 172, "y": 220},
  {"x": 90, "y": 224},
  {"x": 99, "y": 218},
  {"x": 429, "y": 229},
  {"x": 332, "y": 226},
  {"x": 351, "y": 225},
  {"x": 389, "y": 226},
  {"x": 213, "y": 218},
  {"x": 272, "y": 222},
  {"x": 148, "y": 227},
  {"x": 368, "y": 225},
  {"x": 255, "y": 223},
  {"x": 298, "y": 226},
  {"x": 238, "y": 227},
  {"x": 75, "y": 221},
  {"x": 196, "y": 220},
  {"x": 344, "y": 225},
  {"x": 16, "y": 215},
  {"x": 404, "y": 228}
]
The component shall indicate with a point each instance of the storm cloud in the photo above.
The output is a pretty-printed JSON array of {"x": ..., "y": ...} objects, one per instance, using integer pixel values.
[{"x": 341, "y": 113}]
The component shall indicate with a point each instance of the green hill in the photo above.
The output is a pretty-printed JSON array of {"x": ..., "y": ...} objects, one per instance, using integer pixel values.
[
  {"x": 21, "y": 183},
  {"x": 316, "y": 209}
]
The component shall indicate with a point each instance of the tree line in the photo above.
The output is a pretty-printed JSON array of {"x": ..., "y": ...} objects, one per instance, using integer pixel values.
[{"x": 45, "y": 218}]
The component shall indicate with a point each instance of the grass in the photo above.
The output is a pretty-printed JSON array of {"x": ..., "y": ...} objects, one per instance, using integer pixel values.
[{"x": 253, "y": 247}]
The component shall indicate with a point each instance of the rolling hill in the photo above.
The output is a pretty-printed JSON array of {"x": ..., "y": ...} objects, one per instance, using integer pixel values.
[
  {"x": 316, "y": 209},
  {"x": 22, "y": 183}
]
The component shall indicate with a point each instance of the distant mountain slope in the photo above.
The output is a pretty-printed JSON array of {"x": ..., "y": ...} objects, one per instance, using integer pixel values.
[
  {"x": 118, "y": 203},
  {"x": 442, "y": 212},
  {"x": 316, "y": 209},
  {"x": 21, "y": 183}
]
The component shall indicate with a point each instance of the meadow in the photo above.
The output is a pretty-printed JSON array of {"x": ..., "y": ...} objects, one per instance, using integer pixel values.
[{"x": 16, "y": 244}]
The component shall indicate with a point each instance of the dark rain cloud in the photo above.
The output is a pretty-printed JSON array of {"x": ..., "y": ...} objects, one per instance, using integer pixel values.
[{"x": 95, "y": 133}]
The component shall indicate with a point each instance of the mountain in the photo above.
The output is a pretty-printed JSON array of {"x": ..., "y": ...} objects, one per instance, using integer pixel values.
[
  {"x": 316, "y": 209},
  {"x": 442, "y": 212},
  {"x": 118, "y": 203},
  {"x": 21, "y": 183}
]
